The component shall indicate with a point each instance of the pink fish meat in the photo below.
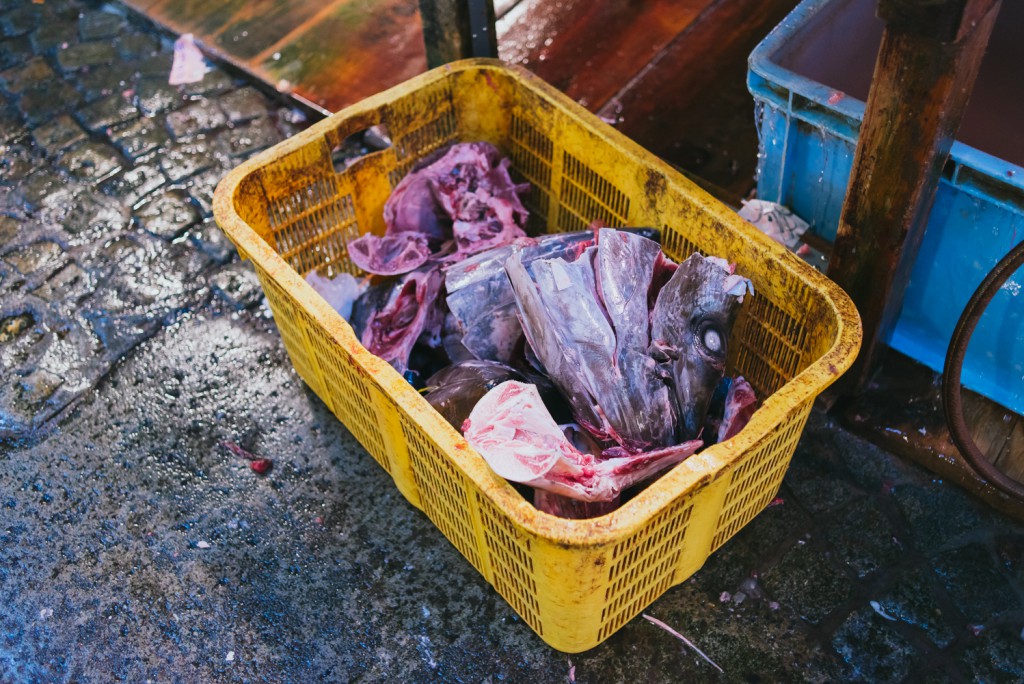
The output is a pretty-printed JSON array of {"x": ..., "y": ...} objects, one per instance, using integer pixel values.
[
  {"x": 740, "y": 404},
  {"x": 513, "y": 431},
  {"x": 463, "y": 203}
]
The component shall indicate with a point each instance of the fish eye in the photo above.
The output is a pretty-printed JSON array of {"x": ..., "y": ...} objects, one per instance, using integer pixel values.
[{"x": 711, "y": 338}]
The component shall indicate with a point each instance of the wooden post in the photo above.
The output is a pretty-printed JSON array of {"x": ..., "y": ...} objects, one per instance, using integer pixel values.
[
  {"x": 457, "y": 29},
  {"x": 926, "y": 67}
]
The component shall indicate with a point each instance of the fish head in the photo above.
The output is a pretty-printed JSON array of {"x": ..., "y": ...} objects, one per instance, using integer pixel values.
[
  {"x": 695, "y": 362},
  {"x": 690, "y": 327}
]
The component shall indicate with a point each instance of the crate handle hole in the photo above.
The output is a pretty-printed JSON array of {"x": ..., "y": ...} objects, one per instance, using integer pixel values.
[{"x": 358, "y": 145}]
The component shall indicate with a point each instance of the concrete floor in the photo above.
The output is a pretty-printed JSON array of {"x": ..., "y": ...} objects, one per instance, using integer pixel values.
[{"x": 134, "y": 547}]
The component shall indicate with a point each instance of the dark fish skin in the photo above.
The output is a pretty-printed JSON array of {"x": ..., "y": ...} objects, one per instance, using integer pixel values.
[
  {"x": 691, "y": 321},
  {"x": 455, "y": 390},
  {"x": 481, "y": 298},
  {"x": 482, "y": 301},
  {"x": 587, "y": 322},
  {"x": 566, "y": 328},
  {"x": 625, "y": 266}
]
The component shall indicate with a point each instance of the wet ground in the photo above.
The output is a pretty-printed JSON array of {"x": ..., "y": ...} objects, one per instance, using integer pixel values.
[{"x": 135, "y": 547}]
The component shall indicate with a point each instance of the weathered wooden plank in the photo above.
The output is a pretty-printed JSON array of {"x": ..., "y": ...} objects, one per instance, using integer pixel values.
[
  {"x": 1011, "y": 459},
  {"x": 921, "y": 86},
  {"x": 359, "y": 48},
  {"x": 590, "y": 49},
  {"x": 261, "y": 27},
  {"x": 690, "y": 105},
  {"x": 900, "y": 410}
]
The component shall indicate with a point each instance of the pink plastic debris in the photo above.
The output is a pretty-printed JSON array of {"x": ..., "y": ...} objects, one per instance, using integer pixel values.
[
  {"x": 260, "y": 466},
  {"x": 189, "y": 65}
]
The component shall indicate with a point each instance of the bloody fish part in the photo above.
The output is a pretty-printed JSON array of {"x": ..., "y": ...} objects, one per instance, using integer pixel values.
[
  {"x": 740, "y": 405},
  {"x": 410, "y": 311},
  {"x": 373, "y": 299},
  {"x": 566, "y": 328},
  {"x": 625, "y": 269},
  {"x": 515, "y": 434},
  {"x": 412, "y": 209},
  {"x": 473, "y": 186},
  {"x": 261, "y": 466},
  {"x": 587, "y": 322},
  {"x": 459, "y": 204},
  {"x": 690, "y": 323},
  {"x": 390, "y": 254},
  {"x": 481, "y": 298},
  {"x": 455, "y": 390}
]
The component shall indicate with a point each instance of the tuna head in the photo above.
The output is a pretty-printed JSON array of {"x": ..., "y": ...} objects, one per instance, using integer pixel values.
[{"x": 690, "y": 323}]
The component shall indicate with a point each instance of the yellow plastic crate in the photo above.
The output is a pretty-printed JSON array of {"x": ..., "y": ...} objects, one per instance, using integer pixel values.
[{"x": 575, "y": 582}]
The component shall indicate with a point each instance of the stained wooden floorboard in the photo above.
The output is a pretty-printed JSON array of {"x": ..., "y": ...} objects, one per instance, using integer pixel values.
[
  {"x": 332, "y": 53},
  {"x": 691, "y": 106},
  {"x": 590, "y": 50},
  {"x": 669, "y": 73}
]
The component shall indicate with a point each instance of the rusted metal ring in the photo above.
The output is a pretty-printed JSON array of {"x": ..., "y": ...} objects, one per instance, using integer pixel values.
[{"x": 951, "y": 399}]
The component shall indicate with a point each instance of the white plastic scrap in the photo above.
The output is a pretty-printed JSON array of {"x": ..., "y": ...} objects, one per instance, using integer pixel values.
[
  {"x": 775, "y": 221},
  {"x": 189, "y": 65},
  {"x": 341, "y": 291},
  {"x": 686, "y": 641},
  {"x": 877, "y": 607},
  {"x": 203, "y": 545}
]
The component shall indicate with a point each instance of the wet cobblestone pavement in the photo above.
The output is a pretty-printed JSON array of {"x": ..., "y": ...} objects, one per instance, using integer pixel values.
[{"x": 134, "y": 547}]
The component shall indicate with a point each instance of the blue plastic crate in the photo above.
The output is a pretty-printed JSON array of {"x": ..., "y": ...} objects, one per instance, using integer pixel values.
[{"x": 809, "y": 122}]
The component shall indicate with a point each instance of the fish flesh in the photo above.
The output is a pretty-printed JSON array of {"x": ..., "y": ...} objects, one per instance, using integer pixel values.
[
  {"x": 475, "y": 189},
  {"x": 390, "y": 318},
  {"x": 455, "y": 389},
  {"x": 690, "y": 324},
  {"x": 587, "y": 322},
  {"x": 390, "y": 254},
  {"x": 740, "y": 404},
  {"x": 460, "y": 204},
  {"x": 512, "y": 430}
]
